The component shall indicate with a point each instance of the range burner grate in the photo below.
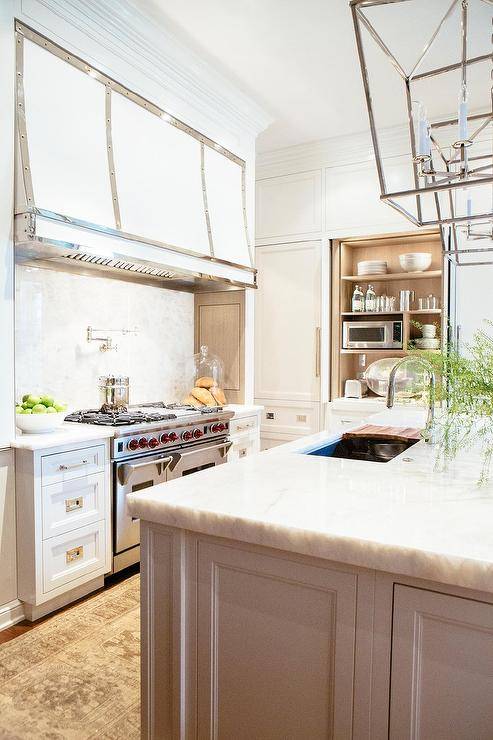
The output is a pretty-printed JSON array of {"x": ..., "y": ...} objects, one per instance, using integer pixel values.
[
  {"x": 183, "y": 407},
  {"x": 116, "y": 418}
]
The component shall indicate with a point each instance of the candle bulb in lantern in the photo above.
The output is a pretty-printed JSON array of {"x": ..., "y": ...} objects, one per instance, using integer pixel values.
[
  {"x": 469, "y": 206},
  {"x": 423, "y": 144},
  {"x": 463, "y": 113}
]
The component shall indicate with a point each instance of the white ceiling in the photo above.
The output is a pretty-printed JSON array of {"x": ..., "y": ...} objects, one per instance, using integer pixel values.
[{"x": 298, "y": 60}]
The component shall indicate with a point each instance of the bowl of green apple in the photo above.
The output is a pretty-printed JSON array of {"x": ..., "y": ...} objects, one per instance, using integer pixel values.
[{"x": 38, "y": 414}]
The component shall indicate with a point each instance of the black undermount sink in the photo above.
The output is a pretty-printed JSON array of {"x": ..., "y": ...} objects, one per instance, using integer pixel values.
[{"x": 364, "y": 448}]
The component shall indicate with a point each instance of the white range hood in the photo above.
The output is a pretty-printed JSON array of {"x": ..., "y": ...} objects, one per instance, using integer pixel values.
[{"x": 109, "y": 182}]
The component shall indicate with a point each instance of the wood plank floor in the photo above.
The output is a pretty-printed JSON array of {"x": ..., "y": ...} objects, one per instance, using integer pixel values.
[{"x": 9, "y": 633}]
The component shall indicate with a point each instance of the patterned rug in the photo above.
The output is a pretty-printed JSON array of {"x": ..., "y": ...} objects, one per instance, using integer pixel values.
[{"x": 76, "y": 676}]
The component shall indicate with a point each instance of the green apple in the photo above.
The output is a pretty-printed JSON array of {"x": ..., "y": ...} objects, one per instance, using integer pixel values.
[
  {"x": 19, "y": 410},
  {"x": 47, "y": 400},
  {"x": 51, "y": 410},
  {"x": 26, "y": 405},
  {"x": 27, "y": 411},
  {"x": 39, "y": 409},
  {"x": 59, "y": 406},
  {"x": 32, "y": 401}
]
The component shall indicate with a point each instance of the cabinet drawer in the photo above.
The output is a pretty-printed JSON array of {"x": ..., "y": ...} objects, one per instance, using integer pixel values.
[
  {"x": 290, "y": 418},
  {"x": 73, "y": 555},
  {"x": 237, "y": 426},
  {"x": 244, "y": 445},
  {"x": 345, "y": 419},
  {"x": 73, "y": 503},
  {"x": 64, "y": 466}
]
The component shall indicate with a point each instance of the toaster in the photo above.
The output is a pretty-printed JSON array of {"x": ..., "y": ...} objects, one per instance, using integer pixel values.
[{"x": 355, "y": 388}]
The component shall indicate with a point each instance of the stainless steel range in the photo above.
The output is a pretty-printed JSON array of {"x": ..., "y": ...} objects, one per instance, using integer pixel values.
[{"x": 152, "y": 444}]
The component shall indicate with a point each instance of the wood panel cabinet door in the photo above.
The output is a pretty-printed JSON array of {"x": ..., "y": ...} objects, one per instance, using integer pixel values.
[
  {"x": 220, "y": 324},
  {"x": 8, "y": 572},
  {"x": 275, "y": 647},
  {"x": 442, "y": 667},
  {"x": 287, "y": 322}
]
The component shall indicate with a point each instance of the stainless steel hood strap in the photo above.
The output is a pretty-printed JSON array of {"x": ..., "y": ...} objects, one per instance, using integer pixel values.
[
  {"x": 21, "y": 120},
  {"x": 204, "y": 195},
  {"x": 245, "y": 217},
  {"x": 111, "y": 159}
]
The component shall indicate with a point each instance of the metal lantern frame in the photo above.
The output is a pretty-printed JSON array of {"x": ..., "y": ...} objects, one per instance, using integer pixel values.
[{"x": 472, "y": 170}]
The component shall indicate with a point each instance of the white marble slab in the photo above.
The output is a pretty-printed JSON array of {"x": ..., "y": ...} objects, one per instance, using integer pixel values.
[
  {"x": 68, "y": 433},
  {"x": 404, "y": 517},
  {"x": 242, "y": 410}
]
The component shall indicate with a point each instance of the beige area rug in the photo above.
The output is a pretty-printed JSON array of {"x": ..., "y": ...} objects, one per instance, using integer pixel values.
[{"x": 77, "y": 675}]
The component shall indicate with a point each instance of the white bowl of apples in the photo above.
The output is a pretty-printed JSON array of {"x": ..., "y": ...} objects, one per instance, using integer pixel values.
[{"x": 39, "y": 414}]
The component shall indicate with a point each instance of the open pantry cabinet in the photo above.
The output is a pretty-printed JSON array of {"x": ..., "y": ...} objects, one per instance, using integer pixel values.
[{"x": 346, "y": 254}]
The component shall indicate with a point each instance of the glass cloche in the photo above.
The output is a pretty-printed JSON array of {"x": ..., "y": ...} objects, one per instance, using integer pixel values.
[
  {"x": 408, "y": 380},
  {"x": 207, "y": 368}
]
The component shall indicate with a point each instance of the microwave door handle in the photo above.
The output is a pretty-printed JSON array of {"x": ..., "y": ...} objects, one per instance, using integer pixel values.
[
  {"x": 224, "y": 447},
  {"x": 126, "y": 470}
]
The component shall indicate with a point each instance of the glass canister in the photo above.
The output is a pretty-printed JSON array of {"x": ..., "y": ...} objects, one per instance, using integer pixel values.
[{"x": 206, "y": 373}]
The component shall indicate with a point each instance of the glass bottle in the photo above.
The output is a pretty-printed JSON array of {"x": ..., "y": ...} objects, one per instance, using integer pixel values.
[
  {"x": 370, "y": 299},
  {"x": 358, "y": 300}
]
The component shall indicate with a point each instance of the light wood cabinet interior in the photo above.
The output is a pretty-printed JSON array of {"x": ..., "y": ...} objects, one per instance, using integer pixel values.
[{"x": 346, "y": 254}]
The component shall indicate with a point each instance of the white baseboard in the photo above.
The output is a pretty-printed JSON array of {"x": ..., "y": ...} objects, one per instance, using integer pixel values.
[{"x": 11, "y": 613}]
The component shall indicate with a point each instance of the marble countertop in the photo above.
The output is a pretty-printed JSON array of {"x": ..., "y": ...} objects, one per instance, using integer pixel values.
[
  {"x": 405, "y": 516},
  {"x": 244, "y": 409},
  {"x": 68, "y": 433}
]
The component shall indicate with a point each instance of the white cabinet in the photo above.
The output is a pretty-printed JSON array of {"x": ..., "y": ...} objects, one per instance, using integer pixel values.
[
  {"x": 442, "y": 667},
  {"x": 244, "y": 432},
  {"x": 63, "y": 524},
  {"x": 287, "y": 322},
  {"x": 290, "y": 205},
  {"x": 8, "y": 572}
]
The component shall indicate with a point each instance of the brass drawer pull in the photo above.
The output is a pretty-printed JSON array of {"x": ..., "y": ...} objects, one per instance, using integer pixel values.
[
  {"x": 241, "y": 428},
  {"x": 71, "y": 504},
  {"x": 74, "y": 554},
  {"x": 75, "y": 465},
  {"x": 243, "y": 452}
]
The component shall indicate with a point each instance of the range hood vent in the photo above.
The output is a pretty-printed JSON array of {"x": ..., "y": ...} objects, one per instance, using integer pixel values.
[{"x": 109, "y": 183}]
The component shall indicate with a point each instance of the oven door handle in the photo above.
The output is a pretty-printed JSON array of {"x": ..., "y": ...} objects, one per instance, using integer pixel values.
[
  {"x": 126, "y": 470},
  {"x": 224, "y": 447}
]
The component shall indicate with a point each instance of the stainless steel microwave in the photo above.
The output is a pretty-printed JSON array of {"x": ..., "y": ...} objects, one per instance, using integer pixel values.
[{"x": 372, "y": 334}]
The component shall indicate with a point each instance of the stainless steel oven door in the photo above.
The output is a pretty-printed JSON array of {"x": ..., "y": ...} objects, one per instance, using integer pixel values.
[
  {"x": 132, "y": 476},
  {"x": 198, "y": 458}
]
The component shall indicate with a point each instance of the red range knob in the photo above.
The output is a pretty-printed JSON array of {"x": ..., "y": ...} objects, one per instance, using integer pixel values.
[
  {"x": 133, "y": 444},
  {"x": 165, "y": 438},
  {"x": 173, "y": 437},
  {"x": 186, "y": 436},
  {"x": 218, "y": 427},
  {"x": 143, "y": 442},
  {"x": 198, "y": 433},
  {"x": 153, "y": 442}
]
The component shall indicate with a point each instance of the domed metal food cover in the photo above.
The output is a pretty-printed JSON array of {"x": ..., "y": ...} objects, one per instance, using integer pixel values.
[{"x": 408, "y": 379}]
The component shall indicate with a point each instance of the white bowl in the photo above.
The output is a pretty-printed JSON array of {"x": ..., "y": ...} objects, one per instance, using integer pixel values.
[
  {"x": 415, "y": 261},
  {"x": 427, "y": 343},
  {"x": 39, "y": 423}
]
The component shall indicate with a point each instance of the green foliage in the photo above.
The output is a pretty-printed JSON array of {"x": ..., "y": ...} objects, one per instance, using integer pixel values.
[{"x": 465, "y": 386}]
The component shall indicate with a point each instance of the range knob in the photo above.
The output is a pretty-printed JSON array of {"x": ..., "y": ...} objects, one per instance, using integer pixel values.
[
  {"x": 143, "y": 442},
  {"x": 218, "y": 427},
  {"x": 173, "y": 437},
  {"x": 153, "y": 442},
  {"x": 186, "y": 436},
  {"x": 165, "y": 438},
  {"x": 197, "y": 433},
  {"x": 133, "y": 444}
]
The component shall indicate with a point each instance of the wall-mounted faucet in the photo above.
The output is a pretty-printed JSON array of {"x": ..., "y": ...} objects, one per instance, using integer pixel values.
[
  {"x": 107, "y": 344},
  {"x": 430, "y": 422}
]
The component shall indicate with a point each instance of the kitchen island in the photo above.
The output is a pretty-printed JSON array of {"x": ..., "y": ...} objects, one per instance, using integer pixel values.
[{"x": 296, "y": 596}]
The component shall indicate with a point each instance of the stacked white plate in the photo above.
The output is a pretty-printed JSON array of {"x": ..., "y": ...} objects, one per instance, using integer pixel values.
[{"x": 372, "y": 267}]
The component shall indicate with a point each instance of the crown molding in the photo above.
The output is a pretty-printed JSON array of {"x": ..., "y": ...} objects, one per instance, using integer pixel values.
[
  {"x": 334, "y": 152},
  {"x": 118, "y": 35}
]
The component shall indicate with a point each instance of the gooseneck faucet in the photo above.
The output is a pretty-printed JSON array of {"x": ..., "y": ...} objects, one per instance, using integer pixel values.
[{"x": 431, "y": 407}]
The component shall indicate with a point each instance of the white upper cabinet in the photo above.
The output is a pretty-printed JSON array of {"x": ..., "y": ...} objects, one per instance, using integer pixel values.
[
  {"x": 352, "y": 201},
  {"x": 159, "y": 178},
  {"x": 290, "y": 205},
  {"x": 66, "y": 135}
]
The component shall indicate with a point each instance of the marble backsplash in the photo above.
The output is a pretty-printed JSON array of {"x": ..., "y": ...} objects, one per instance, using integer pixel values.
[{"x": 53, "y": 311}]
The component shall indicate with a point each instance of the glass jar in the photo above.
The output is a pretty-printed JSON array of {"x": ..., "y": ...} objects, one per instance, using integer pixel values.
[{"x": 206, "y": 369}]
